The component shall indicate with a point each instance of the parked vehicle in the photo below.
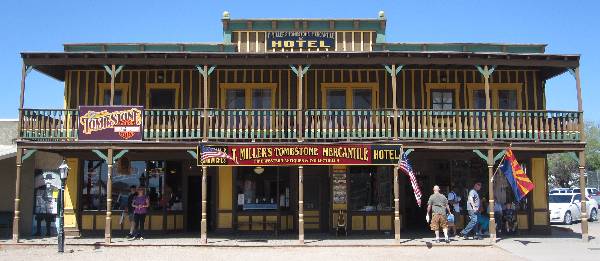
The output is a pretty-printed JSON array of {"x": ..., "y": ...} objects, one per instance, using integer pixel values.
[
  {"x": 560, "y": 190},
  {"x": 566, "y": 208},
  {"x": 590, "y": 193}
]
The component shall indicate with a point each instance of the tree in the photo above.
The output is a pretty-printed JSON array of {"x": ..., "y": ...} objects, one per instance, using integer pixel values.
[{"x": 563, "y": 168}]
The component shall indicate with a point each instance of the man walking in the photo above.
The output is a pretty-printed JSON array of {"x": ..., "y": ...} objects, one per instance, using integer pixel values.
[
  {"x": 472, "y": 209},
  {"x": 439, "y": 204}
]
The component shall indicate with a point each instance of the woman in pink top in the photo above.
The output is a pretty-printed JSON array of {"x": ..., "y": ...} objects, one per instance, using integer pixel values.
[{"x": 140, "y": 208}]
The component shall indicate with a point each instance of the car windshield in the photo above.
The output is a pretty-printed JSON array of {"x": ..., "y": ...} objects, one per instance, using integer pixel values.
[
  {"x": 560, "y": 198},
  {"x": 575, "y": 190}
]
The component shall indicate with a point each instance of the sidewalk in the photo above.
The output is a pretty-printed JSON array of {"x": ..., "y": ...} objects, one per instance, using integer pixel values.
[{"x": 321, "y": 240}]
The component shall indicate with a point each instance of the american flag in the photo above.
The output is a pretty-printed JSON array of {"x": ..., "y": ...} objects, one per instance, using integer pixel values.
[
  {"x": 404, "y": 166},
  {"x": 208, "y": 153}
]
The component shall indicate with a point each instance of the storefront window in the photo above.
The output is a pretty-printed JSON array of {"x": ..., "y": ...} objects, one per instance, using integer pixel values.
[
  {"x": 371, "y": 189},
  {"x": 262, "y": 189},
  {"x": 161, "y": 182}
]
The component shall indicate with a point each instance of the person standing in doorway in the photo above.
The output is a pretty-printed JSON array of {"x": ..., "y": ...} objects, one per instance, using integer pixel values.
[
  {"x": 140, "y": 204},
  {"x": 130, "y": 209},
  {"x": 473, "y": 203},
  {"x": 438, "y": 203}
]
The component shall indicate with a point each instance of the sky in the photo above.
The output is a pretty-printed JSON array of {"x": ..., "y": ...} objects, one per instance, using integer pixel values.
[{"x": 568, "y": 27}]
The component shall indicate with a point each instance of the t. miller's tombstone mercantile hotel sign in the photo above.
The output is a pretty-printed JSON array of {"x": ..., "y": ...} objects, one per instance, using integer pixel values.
[
  {"x": 110, "y": 123},
  {"x": 297, "y": 40},
  {"x": 287, "y": 155}
]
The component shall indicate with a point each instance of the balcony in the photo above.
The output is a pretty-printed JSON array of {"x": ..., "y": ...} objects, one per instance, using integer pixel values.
[{"x": 320, "y": 125}]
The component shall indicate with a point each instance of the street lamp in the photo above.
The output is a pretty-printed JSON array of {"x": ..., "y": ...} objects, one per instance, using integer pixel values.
[{"x": 64, "y": 172}]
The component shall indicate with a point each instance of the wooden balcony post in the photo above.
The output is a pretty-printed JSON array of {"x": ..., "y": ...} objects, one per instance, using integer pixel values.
[
  {"x": 396, "y": 205},
  {"x": 491, "y": 200},
  {"x": 487, "y": 72},
  {"x": 16, "y": 218},
  {"x": 108, "y": 225},
  {"x": 205, "y": 71},
  {"x": 205, "y": 105},
  {"x": 24, "y": 71},
  {"x": 300, "y": 100},
  {"x": 582, "y": 183},
  {"x": 203, "y": 239},
  {"x": 113, "y": 69},
  {"x": 393, "y": 73},
  {"x": 301, "y": 205}
]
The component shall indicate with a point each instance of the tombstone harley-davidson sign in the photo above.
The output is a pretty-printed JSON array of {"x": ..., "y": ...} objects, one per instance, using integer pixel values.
[{"x": 110, "y": 123}]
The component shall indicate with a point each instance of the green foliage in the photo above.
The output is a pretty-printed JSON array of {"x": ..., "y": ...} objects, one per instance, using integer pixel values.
[{"x": 563, "y": 168}]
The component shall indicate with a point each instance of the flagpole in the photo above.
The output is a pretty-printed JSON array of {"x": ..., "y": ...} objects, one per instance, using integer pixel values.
[{"x": 503, "y": 156}]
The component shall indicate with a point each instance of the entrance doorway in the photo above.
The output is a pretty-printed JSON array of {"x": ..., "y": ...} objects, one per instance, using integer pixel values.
[
  {"x": 194, "y": 203},
  {"x": 316, "y": 199}
]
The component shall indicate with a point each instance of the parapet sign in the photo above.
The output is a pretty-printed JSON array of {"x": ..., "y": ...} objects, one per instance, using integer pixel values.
[{"x": 304, "y": 40}]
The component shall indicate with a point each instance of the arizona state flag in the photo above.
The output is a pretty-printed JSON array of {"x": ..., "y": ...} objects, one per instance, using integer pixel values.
[{"x": 520, "y": 183}]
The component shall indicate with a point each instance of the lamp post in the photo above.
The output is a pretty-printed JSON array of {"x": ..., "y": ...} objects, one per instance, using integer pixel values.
[{"x": 64, "y": 172}]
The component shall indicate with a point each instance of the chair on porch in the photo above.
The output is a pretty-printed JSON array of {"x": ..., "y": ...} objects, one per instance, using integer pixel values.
[{"x": 341, "y": 223}]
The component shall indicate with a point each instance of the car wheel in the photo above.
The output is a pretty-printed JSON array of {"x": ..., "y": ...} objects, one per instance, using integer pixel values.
[
  {"x": 568, "y": 220},
  {"x": 594, "y": 215}
]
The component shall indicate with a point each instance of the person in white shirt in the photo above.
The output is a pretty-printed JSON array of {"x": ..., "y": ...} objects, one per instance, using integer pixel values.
[{"x": 473, "y": 204}]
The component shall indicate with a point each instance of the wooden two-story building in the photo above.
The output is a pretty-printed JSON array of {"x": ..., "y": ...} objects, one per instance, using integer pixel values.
[{"x": 316, "y": 113}]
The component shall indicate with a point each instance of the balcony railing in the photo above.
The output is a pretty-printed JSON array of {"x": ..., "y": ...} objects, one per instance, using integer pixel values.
[{"x": 287, "y": 125}]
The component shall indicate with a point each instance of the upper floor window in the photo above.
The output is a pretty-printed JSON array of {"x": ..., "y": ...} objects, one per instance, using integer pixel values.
[
  {"x": 162, "y": 95},
  {"x": 120, "y": 97},
  {"x": 248, "y": 95},
  {"x": 504, "y": 96},
  {"x": 358, "y": 96},
  {"x": 442, "y": 100},
  {"x": 441, "y": 96}
]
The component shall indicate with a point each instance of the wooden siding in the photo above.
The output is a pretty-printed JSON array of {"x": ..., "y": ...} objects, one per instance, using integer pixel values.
[{"x": 82, "y": 86}]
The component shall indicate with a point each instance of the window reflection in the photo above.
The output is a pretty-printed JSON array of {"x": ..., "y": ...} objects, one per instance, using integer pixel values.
[
  {"x": 371, "y": 189},
  {"x": 162, "y": 184}
]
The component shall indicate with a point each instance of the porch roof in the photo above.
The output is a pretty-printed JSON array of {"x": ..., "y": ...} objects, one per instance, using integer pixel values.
[{"x": 54, "y": 64}]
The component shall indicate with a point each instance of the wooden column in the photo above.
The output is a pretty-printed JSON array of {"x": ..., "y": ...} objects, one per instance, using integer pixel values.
[
  {"x": 299, "y": 117},
  {"x": 584, "y": 217},
  {"x": 488, "y": 102},
  {"x": 394, "y": 101},
  {"x": 113, "y": 69},
  {"x": 21, "y": 98},
  {"x": 396, "y": 205},
  {"x": 205, "y": 105},
  {"x": 492, "y": 225},
  {"x": 203, "y": 239},
  {"x": 17, "y": 195},
  {"x": 108, "y": 225},
  {"x": 300, "y": 205}
]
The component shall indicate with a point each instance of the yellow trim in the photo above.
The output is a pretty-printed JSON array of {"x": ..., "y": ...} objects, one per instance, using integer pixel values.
[
  {"x": 494, "y": 88},
  {"x": 225, "y": 188},
  {"x": 443, "y": 86},
  {"x": 123, "y": 87},
  {"x": 158, "y": 86},
  {"x": 349, "y": 87},
  {"x": 247, "y": 87},
  {"x": 538, "y": 177},
  {"x": 71, "y": 193}
]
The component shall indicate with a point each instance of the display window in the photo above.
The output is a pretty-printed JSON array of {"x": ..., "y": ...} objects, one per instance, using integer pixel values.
[
  {"x": 261, "y": 188},
  {"x": 161, "y": 180},
  {"x": 371, "y": 189}
]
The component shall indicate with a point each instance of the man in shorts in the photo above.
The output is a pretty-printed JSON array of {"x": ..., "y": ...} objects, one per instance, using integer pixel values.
[{"x": 438, "y": 203}]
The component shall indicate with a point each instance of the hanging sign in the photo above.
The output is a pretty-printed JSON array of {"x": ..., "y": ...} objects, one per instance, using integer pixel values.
[
  {"x": 293, "y": 155},
  {"x": 110, "y": 123},
  {"x": 297, "y": 40}
]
